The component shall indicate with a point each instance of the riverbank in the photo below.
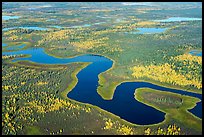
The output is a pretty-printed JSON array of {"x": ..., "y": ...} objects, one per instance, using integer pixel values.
[
  {"x": 180, "y": 113},
  {"x": 108, "y": 93}
]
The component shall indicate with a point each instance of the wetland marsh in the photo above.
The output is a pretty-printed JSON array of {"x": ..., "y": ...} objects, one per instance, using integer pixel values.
[{"x": 104, "y": 65}]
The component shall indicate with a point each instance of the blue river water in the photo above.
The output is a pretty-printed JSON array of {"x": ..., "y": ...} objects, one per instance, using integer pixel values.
[{"x": 123, "y": 103}]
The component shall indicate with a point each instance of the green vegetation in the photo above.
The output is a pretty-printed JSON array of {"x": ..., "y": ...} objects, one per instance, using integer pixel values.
[
  {"x": 34, "y": 96},
  {"x": 185, "y": 72},
  {"x": 174, "y": 105},
  {"x": 171, "y": 130},
  {"x": 33, "y": 131}
]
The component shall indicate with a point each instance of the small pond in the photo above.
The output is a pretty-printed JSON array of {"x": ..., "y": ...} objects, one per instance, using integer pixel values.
[
  {"x": 4, "y": 44},
  {"x": 196, "y": 52},
  {"x": 9, "y": 17},
  {"x": 176, "y": 19},
  {"x": 148, "y": 30}
]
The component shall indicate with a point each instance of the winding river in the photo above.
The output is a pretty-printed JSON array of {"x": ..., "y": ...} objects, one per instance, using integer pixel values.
[{"x": 123, "y": 103}]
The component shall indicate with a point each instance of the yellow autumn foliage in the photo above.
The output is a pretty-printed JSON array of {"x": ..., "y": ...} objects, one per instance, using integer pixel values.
[
  {"x": 7, "y": 116},
  {"x": 126, "y": 130},
  {"x": 90, "y": 43},
  {"x": 8, "y": 87},
  {"x": 58, "y": 35},
  {"x": 147, "y": 131},
  {"x": 13, "y": 37},
  {"x": 144, "y": 23},
  {"x": 108, "y": 124},
  {"x": 10, "y": 32},
  {"x": 54, "y": 105},
  {"x": 23, "y": 83},
  {"x": 5, "y": 87},
  {"x": 41, "y": 83},
  {"x": 164, "y": 73},
  {"x": 189, "y": 57},
  {"x": 10, "y": 56},
  {"x": 170, "y": 130}
]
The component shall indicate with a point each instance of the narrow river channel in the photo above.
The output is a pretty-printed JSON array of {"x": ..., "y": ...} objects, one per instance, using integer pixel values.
[{"x": 123, "y": 103}]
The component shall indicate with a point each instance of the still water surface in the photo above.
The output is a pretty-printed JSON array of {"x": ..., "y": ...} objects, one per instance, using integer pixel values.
[
  {"x": 123, "y": 103},
  {"x": 147, "y": 30},
  {"x": 9, "y": 17},
  {"x": 178, "y": 19},
  {"x": 196, "y": 52}
]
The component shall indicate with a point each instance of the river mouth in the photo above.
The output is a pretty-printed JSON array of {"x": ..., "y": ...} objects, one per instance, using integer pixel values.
[{"x": 123, "y": 103}]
